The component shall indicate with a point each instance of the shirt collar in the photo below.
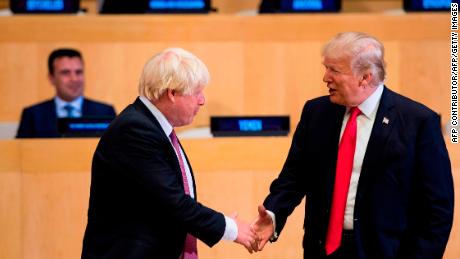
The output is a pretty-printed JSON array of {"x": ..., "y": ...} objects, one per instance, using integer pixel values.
[
  {"x": 76, "y": 103},
  {"x": 164, "y": 123},
  {"x": 369, "y": 106}
]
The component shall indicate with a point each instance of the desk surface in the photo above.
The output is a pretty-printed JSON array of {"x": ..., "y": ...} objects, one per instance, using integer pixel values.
[{"x": 44, "y": 190}]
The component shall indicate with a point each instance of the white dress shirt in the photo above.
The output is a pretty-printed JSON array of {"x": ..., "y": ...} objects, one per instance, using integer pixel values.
[
  {"x": 231, "y": 229},
  {"x": 365, "y": 121},
  {"x": 364, "y": 128},
  {"x": 61, "y": 112}
]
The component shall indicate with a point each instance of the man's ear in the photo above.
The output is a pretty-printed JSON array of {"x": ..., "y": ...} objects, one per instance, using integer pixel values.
[
  {"x": 366, "y": 80},
  {"x": 171, "y": 95}
]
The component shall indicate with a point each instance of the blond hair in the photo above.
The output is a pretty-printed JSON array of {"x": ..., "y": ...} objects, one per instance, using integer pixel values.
[{"x": 175, "y": 69}]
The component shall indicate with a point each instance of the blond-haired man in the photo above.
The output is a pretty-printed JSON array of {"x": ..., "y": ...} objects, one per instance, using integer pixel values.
[{"x": 143, "y": 194}]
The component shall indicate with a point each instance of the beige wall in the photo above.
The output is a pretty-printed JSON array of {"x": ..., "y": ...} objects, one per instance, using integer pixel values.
[
  {"x": 259, "y": 65},
  {"x": 44, "y": 190}
]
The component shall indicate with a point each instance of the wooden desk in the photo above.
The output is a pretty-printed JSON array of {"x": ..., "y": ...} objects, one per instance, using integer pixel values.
[{"x": 44, "y": 190}]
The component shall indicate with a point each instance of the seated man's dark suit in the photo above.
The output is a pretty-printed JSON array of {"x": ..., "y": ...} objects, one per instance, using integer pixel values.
[
  {"x": 404, "y": 201},
  {"x": 40, "y": 120},
  {"x": 138, "y": 207}
]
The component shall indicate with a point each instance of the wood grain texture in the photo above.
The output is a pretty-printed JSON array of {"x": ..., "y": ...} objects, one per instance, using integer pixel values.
[
  {"x": 44, "y": 197},
  {"x": 267, "y": 64}
]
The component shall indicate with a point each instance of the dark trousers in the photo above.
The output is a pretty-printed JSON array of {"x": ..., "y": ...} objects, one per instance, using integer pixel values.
[{"x": 347, "y": 249}]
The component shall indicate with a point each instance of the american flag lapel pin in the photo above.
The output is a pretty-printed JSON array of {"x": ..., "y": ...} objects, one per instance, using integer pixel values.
[{"x": 385, "y": 120}]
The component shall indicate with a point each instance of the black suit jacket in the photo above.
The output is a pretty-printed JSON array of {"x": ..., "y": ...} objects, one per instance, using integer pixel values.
[
  {"x": 137, "y": 207},
  {"x": 40, "y": 120},
  {"x": 404, "y": 201}
]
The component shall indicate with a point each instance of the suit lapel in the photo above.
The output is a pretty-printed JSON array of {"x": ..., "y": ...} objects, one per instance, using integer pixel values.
[
  {"x": 85, "y": 109},
  {"x": 190, "y": 167},
  {"x": 385, "y": 120},
  {"x": 384, "y": 124},
  {"x": 336, "y": 116},
  {"x": 172, "y": 153},
  {"x": 50, "y": 118}
]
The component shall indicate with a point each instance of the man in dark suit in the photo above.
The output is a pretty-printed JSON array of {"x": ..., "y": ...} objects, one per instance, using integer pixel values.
[
  {"x": 66, "y": 74},
  {"x": 371, "y": 163},
  {"x": 143, "y": 200}
]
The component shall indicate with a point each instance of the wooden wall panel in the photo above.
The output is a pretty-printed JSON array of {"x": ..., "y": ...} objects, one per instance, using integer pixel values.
[
  {"x": 44, "y": 190},
  {"x": 10, "y": 214},
  {"x": 259, "y": 65},
  {"x": 55, "y": 191},
  {"x": 424, "y": 75},
  {"x": 54, "y": 213},
  {"x": 10, "y": 201},
  {"x": 453, "y": 246}
]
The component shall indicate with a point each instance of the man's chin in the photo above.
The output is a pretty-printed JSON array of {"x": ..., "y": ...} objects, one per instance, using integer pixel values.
[
  {"x": 184, "y": 123},
  {"x": 69, "y": 98},
  {"x": 332, "y": 98},
  {"x": 335, "y": 100}
]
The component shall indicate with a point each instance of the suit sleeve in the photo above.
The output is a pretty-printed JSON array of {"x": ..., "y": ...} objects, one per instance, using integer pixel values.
[
  {"x": 288, "y": 190},
  {"x": 434, "y": 201},
  {"x": 26, "y": 128},
  {"x": 141, "y": 153}
]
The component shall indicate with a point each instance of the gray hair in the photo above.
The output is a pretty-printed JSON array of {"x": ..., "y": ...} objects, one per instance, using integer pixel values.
[
  {"x": 175, "y": 69},
  {"x": 366, "y": 53}
]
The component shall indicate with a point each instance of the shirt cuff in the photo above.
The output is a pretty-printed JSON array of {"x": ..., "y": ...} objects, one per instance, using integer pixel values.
[
  {"x": 275, "y": 234},
  {"x": 231, "y": 230}
]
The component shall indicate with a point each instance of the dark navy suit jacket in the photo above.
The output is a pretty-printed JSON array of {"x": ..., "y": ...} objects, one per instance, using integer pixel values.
[
  {"x": 404, "y": 201},
  {"x": 40, "y": 120},
  {"x": 138, "y": 207}
]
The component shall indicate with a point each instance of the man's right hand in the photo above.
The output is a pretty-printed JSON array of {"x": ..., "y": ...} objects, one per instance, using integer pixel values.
[
  {"x": 263, "y": 226},
  {"x": 246, "y": 235}
]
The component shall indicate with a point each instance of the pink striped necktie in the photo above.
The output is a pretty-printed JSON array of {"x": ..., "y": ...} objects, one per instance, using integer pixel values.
[
  {"x": 342, "y": 182},
  {"x": 190, "y": 247}
]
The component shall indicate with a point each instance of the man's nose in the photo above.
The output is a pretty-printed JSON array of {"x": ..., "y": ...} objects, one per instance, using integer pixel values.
[
  {"x": 326, "y": 77},
  {"x": 74, "y": 76}
]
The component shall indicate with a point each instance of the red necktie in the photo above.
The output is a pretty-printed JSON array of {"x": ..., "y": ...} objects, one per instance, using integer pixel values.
[
  {"x": 190, "y": 247},
  {"x": 342, "y": 182}
]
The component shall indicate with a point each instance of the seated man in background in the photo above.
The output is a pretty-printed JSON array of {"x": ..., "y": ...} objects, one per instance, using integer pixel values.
[{"x": 66, "y": 74}]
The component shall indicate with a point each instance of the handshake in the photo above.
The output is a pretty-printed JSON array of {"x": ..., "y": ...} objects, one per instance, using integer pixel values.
[{"x": 254, "y": 236}]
